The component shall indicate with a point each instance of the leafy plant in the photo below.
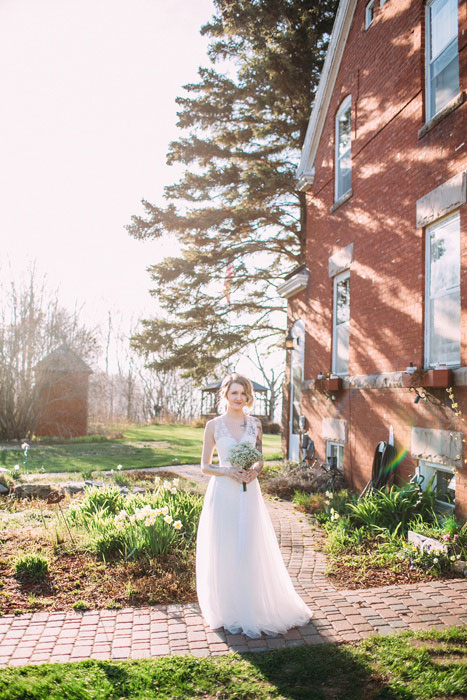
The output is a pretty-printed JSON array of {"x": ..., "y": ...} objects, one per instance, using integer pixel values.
[
  {"x": 31, "y": 567},
  {"x": 393, "y": 508},
  {"x": 81, "y": 605}
]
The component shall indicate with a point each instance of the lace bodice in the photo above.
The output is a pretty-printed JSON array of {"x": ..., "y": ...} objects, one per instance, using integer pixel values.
[{"x": 225, "y": 440}]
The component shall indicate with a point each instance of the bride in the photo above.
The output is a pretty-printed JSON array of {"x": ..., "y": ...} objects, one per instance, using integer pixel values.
[{"x": 241, "y": 579}]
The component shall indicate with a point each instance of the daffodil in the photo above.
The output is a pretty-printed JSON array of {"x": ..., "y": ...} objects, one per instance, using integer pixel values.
[
  {"x": 173, "y": 490},
  {"x": 176, "y": 482},
  {"x": 119, "y": 467},
  {"x": 164, "y": 510},
  {"x": 178, "y": 525},
  {"x": 168, "y": 519}
]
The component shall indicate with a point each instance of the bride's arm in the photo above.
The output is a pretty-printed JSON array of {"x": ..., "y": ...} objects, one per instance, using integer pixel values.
[{"x": 208, "y": 450}]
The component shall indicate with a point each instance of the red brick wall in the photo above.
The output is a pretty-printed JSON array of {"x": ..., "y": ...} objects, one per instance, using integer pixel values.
[
  {"x": 64, "y": 405},
  {"x": 383, "y": 70}
]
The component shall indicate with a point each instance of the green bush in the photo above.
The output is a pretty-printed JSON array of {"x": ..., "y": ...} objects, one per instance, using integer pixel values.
[
  {"x": 139, "y": 525},
  {"x": 108, "y": 544},
  {"x": 392, "y": 509},
  {"x": 31, "y": 567},
  {"x": 96, "y": 500}
]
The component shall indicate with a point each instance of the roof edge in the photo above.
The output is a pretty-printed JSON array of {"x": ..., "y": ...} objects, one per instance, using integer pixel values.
[{"x": 337, "y": 42}]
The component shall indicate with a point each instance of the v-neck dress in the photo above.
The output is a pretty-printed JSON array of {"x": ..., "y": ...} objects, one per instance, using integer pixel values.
[{"x": 241, "y": 579}]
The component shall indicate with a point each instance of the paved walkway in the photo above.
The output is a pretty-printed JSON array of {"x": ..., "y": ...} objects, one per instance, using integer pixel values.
[{"x": 179, "y": 629}]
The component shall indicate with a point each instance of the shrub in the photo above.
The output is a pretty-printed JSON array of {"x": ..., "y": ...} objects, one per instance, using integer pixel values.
[
  {"x": 108, "y": 500},
  {"x": 392, "y": 509},
  {"x": 147, "y": 525},
  {"x": 31, "y": 567},
  {"x": 109, "y": 545},
  {"x": 272, "y": 428}
]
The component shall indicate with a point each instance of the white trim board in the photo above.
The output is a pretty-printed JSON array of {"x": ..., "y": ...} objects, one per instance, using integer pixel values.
[{"x": 332, "y": 63}]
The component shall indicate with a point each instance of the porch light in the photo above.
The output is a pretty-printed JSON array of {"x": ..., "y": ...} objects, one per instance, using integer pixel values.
[{"x": 289, "y": 341}]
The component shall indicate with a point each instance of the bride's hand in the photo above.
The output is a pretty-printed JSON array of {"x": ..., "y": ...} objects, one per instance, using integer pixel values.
[
  {"x": 251, "y": 475},
  {"x": 239, "y": 475}
]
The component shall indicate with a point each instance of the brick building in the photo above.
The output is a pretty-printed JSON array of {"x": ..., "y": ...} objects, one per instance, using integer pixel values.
[
  {"x": 385, "y": 280},
  {"x": 63, "y": 383}
]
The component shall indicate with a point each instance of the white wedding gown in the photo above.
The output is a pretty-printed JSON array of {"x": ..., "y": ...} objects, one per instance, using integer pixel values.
[{"x": 241, "y": 579}]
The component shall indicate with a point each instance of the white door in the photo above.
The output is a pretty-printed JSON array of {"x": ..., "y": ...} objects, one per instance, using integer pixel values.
[{"x": 297, "y": 360}]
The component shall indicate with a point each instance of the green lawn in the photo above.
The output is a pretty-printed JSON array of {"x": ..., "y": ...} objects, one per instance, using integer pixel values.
[
  {"x": 406, "y": 667},
  {"x": 141, "y": 446}
]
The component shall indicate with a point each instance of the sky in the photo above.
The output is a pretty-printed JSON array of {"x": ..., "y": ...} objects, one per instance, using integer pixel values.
[{"x": 88, "y": 110}]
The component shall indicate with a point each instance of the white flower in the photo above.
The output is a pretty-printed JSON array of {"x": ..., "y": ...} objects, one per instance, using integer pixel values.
[
  {"x": 157, "y": 511},
  {"x": 176, "y": 482},
  {"x": 166, "y": 484},
  {"x": 328, "y": 494},
  {"x": 25, "y": 446},
  {"x": 435, "y": 560},
  {"x": 150, "y": 520},
  {"x": 140, "y": 514},
  {"x": 16, "y": 467},
  {"x": 453, "y": 558},
  {"x": 132, "y": 518},
  {"x": 157, "y": 480},
  {"x": 173, "y": 490},
  {"x": 119, "y": 467},
  {"x": 168, "y": 519},
  {"x": 178, "y": 525},
  {"x": 164, "y": 510}
]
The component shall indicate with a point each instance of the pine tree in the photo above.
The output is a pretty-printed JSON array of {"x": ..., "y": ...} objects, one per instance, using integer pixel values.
[{"x": 236, "y": 201}]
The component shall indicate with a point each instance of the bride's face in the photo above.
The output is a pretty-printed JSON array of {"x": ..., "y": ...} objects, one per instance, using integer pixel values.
[{"x": 236, "y": 396}]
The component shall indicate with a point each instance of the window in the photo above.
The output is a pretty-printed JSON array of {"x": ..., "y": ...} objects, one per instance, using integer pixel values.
[
  {"x": 342, "y": 157},
  {"x": 369, "y": 13},
  {"x": 444, "y": 483},
  {"x": 442, "y": 58},
  {"x": 443, "y": 312},
  {"x": 335, "y": 450},
  {"x": 341, "y": 324}
]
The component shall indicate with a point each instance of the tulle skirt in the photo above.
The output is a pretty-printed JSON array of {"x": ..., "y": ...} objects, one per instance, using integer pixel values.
[{"x": 241, "y": 579}]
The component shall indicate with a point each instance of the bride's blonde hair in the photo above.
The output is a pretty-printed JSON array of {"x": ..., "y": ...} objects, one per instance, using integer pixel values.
[{"x": 236, "y": 379}]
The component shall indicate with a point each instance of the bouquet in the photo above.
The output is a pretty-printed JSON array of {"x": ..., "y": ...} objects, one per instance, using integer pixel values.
[{"x": 244, "y": 456}]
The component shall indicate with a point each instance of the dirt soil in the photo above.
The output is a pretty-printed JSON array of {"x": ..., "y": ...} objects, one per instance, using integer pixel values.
[{"x": 77, "y": 575}]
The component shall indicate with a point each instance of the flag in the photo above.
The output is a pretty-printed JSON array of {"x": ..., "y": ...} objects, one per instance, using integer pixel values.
[{"x": 229, "y": 271}]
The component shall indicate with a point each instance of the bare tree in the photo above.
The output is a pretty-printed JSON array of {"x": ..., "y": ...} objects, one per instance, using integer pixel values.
[
  {"x": 273, "y": 380},
  {"x": 32, "y": 324}
]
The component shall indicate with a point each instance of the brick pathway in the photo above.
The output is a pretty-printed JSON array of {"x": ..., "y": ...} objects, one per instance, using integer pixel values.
[{"x": 179, "y": 629}]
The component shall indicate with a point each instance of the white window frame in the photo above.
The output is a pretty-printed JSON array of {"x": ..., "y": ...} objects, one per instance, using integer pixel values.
[
  {"x": 428, "y": 230},
  {"x": 346, "y": 104},
  {"x": 338, "y": 278},
  {"x": 426, "y": 469},
  {"x": 428, "y": 114},
  {"x": 369, "y": 13},
  {"x": 334, "y": 443}
]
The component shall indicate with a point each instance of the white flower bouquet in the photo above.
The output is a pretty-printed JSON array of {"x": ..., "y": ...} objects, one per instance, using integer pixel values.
[{"x": 243, "y": 456}]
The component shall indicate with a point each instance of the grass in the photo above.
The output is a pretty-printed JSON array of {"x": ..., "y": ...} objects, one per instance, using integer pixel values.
[
  {"x": 140, "y": 446},
  {"x": 420, "y": 666}
]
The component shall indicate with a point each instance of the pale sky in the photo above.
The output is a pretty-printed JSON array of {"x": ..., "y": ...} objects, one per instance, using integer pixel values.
[{"x": 88, "y": 109}]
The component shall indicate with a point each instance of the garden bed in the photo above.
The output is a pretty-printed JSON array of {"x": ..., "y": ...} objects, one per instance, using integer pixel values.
[{"x": 77, "y": 576}]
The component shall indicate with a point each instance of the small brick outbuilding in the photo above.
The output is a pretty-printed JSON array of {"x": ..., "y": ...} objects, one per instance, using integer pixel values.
[{"x": 63, "y": 381}]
